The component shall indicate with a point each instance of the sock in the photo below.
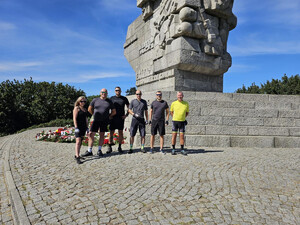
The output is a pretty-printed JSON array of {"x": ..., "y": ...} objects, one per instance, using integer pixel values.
[
  {"x": 110, "y": 145},
  {"x": 142, "y": 146},
  {"x": 173, "y": 146},
  {"x": 181, "y": 147},
  {"x": 99, "y": 148},
  {"x": 90, "y": 149},
  {"x": 131, "y": 146}
]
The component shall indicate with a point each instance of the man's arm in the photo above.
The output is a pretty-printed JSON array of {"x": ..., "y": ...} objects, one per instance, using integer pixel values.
[
  {"x": 150, "y": 114},
  {"x": 91, "y": 110},
  {"x": 113, "y": 112},
  {"x": 167, "y": 114},
  {"x": 146, "y": 114},
  {"x": 186, "y": 114}
]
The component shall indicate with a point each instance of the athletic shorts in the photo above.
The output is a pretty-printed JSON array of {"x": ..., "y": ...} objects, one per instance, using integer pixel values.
[
  {"x": 117, "y": 123},
  {"x": 178, "y": 125},
  {"x": 158, "y": 125},
  {"x": 82, "y": 131},
  {"x": 99, "y": 124},
  {"x": 137, "y": 124}
]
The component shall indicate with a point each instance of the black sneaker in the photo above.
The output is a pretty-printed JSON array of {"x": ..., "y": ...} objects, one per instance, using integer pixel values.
[
  {"x": 130, "y": 151},
  {"x": 99, "y": 153},
  {"x": 78, "y": 160},
  {"x": 87, "y": 153},
  {"x": 120, "y": 150},
  {"x": 183, "y": 152},
  {"x": 173, "y": 152},
  {"x": 143, "y": 150},
  {"x": 109, "y": 150}
]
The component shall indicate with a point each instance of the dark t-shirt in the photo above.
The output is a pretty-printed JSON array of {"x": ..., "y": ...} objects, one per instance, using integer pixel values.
[
  {"x": 101, "y": 108},
  {"x": 158, "y": 109},
  {"x": 119, "y": 103},
  {"x": 138, "y": 107}
]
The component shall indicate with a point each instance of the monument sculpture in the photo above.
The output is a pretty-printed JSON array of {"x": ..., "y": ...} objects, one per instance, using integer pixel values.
[{"x": 180, "y": 44}]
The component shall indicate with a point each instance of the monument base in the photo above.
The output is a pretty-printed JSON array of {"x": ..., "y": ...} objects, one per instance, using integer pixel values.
[{"x": 179, "y": 80}]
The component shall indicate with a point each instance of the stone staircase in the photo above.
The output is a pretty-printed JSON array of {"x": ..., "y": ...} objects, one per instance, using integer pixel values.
[{"x": 235, "y": 120}]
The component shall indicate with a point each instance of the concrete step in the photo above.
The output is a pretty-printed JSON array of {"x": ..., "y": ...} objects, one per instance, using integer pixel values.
[{"x": 227, "y": 141}]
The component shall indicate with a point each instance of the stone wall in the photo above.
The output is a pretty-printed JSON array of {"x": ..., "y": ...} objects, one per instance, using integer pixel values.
[{"x": 236, "y": 120}]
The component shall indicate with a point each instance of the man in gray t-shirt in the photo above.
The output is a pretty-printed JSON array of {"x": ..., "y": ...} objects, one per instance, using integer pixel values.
[
  {"x": 157, "y": 120},
  {"x": 102, "y": 109},
  {"x": 137, "y": 108}
]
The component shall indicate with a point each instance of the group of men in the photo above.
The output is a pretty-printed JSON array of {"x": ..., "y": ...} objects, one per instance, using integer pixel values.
[{"x": 111, "y": 111}]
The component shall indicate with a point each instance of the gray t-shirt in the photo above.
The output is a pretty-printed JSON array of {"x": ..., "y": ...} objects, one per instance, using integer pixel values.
[
  {"x": 101, "y": 108},
  {"x": 138, "y": 107},
  {"x": 158, "y": 109}
]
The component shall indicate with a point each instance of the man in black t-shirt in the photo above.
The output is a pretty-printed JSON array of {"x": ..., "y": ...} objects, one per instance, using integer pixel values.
[
  {"x": 157, "y": 120},
  {"x": 102, "y": 109},
  {"x": 117, "y": 122}
]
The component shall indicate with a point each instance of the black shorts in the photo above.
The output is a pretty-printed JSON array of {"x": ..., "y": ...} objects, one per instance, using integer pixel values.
[
  {"x": 117, "y": 123},
  {"x": 82, "y": 131},
  {"x": 135, "y": 124},
  {"x": 178, "y": 125},
  {"x": 158, "y": 125},
  {"x": 99, "y": 124}
]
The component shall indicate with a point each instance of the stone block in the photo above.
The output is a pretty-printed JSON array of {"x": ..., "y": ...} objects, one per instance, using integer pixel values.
[
  {"x": 279, "y": 122},
  {"x": 207, "y": 141},
  {"x": 287, "y": 142},
  {"x": 252, "y": 142},
  {"x": 268, "y": 131},
  {"x": 250, "y": 97},
  {"x": 258, "y": 113},
  {"x": 204, "y": 120},
  {"x": 285, "y": 98},
  {"x": 295, "y": 132},
  {"x": 289, "y": 114},
  {"x": 244, "y": 121},
  {"x": 226, "y": 130},
  {"x": 230, "y": 121},
  {"x": 229, "y": 112},
  {"x": 273, "y": 105},
  {"x": 195, "y": 129}
]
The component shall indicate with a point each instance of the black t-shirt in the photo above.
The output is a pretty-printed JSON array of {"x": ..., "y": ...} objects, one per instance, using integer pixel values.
[
  {"x": 119, "y": 103},
  {"x": 158, "y": 109},
  {"x": 101, "y": 108}
]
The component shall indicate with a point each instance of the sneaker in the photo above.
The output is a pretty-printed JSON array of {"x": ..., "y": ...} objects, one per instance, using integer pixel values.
[
  {"x": 162, "y": 151},
  {"x": 130, "y": 151},
  {"x": 183, "y": 152},
  {"x": 78, "y": 160},
  {"x": 100, "y": 154},
  {"x": 143, "y": 150},
  {"x": 87, "y": 153},
  {"x": 109, "y": 150},
  {"x": 151, "y": 151},
  {"x": 120, "y": 150},
  {"x": 173, "y": 152}
]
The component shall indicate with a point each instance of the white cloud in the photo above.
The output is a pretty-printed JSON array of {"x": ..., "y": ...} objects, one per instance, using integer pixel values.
[
  {"x": 18, "y": 66},
  {"x": 101, "y": 75},
  {"x": 4, "y": 26}
]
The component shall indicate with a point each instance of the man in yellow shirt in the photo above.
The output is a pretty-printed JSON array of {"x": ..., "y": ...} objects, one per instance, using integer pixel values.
[{"x": 179, "y": 111}]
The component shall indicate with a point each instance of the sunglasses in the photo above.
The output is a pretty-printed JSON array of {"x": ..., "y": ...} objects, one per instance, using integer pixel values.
[
  {"x": 117, "y": 90},
  {"x": 159, "y": 94},
  {"x": 138, "y": 94},
  {"x": 103, "y": 92},
  {"x": 82, "y": 101}
]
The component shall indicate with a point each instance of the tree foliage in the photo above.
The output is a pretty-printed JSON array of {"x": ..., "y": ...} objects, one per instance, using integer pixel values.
[
  {"x": 285, "y": 86},
  {"x": 131, "y": 91},
  {"x": 23, "y": 104}
]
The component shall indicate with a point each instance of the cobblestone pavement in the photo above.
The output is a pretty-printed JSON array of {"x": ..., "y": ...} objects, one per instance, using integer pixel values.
[
  {"x": 209, "y": 186},
  {"x": 5, "y": 210}
]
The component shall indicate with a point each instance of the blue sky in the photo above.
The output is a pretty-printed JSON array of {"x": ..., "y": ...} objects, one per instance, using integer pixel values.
[{"x": 80, "y": 42}]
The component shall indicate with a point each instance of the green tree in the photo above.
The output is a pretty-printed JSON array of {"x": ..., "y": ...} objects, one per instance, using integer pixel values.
[
  {"x": 131, "y": 91},
  {"x": 285, "y": 86},
  {"x": 23, "y": 104}
]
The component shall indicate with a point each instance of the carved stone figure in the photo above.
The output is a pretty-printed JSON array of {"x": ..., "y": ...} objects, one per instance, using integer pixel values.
[{"x": 180, "y": 44}]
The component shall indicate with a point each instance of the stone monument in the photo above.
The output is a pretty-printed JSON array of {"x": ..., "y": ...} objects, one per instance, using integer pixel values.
[{"x": 180, "y": 44}]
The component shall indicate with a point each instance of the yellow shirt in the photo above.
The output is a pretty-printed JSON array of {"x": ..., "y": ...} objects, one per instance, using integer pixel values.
[{"x": 179, "y": 110}]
